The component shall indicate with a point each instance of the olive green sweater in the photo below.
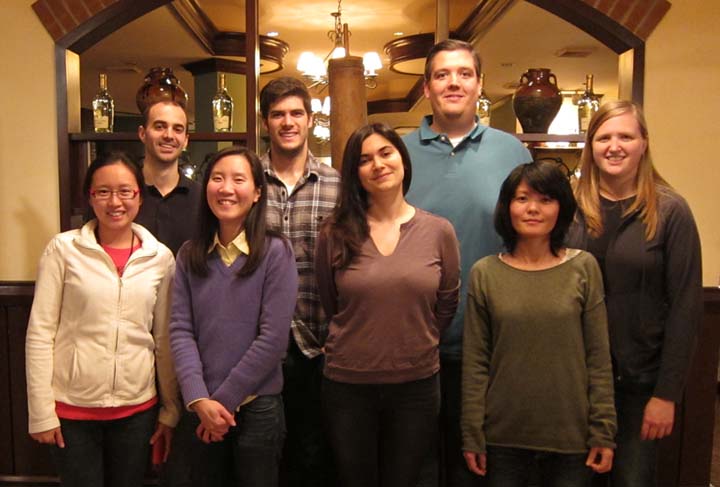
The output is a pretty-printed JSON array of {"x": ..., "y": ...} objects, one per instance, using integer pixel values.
[{"x": 536, "y": 364}]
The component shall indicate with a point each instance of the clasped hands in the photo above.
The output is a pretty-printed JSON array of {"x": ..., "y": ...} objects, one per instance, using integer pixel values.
[{"x": 215, "y": 420}]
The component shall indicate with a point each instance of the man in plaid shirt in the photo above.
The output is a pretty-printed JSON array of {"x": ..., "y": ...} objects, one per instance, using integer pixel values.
[{"x": 302, "y": 193}]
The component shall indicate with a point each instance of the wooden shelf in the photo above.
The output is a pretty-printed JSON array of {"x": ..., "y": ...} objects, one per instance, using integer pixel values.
[
  {"x": 133, "y": 137},
  {"x": 551, "y": 137}
]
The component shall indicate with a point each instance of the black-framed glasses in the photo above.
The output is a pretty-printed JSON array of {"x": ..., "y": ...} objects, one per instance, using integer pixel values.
[{"x": 106, "y": 194}]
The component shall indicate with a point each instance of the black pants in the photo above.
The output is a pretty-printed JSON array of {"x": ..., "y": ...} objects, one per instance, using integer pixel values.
[
  {"x": 307, "y": 460},
  {"x": 381, "y": 433}
]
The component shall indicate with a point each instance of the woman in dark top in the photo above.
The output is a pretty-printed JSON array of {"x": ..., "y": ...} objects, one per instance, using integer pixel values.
[
  {"x": 388, "y": 281},
  {"x": 644, "y": 236}
]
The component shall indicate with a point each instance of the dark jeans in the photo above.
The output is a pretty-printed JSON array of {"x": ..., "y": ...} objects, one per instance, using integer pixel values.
[
  {"x": 110, "y": 453},
  {"x": 511, "y": 467},
  {"x": 635, "y": 461},
  {"x": 176, "y": 471},
  {"x": 307, "y": 459},
  {"x": 381, "y": 433},
  {"x": 249, "y": 455}
]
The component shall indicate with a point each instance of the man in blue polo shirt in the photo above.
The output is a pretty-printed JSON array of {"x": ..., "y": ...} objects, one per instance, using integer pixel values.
[{"x": 458, "y": 167}]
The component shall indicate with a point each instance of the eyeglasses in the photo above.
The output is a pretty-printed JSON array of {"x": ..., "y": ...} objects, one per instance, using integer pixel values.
[{"x": 106, "y": 194}]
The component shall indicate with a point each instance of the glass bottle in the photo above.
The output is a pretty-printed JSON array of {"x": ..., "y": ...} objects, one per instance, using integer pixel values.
[
  {"x": 222, "y": 107},
  {"x": 588, "y": 104},
  {"x": 483, "y": 103},
  {"x": 103, "y": 108}
]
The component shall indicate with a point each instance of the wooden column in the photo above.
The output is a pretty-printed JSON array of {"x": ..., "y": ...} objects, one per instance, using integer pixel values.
[
  {"x": 252, "y": 73},
  {"x": 348, "y": 103}
]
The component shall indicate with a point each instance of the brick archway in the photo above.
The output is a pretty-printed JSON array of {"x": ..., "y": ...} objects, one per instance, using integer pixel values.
[{"x": 74, "y": 24}]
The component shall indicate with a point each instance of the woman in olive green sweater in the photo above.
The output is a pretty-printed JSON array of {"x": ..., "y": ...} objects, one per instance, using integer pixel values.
[{"x": 537, "y": 382}]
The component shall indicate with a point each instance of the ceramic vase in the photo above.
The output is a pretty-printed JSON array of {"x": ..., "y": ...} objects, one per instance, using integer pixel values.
[
  {"x": 537, "y": 100},
  {"x": 160, "y": 85}
]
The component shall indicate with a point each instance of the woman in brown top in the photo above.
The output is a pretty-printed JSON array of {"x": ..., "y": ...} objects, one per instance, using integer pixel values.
[{"x": 388, "y": 281}]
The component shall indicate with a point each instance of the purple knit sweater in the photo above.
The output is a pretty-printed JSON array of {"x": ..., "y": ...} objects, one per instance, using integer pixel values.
[{"x": 229, "y": 334}]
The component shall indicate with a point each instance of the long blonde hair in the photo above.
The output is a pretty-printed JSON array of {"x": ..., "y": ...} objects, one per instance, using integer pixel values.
[{"x": 587, "y": 188}]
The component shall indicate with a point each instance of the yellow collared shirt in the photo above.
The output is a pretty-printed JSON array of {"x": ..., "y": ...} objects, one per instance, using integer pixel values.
[{"x": 233, "y": 250}]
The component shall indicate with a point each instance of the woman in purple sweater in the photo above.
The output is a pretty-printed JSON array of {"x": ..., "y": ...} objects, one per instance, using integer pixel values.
[
  {"x": 388, "y": 281},
  {"x": 234, "y": 296}
]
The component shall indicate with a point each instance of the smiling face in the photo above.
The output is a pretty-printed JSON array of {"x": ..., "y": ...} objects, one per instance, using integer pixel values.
[
  {"x": 231, "y": 193},
  {"x": 618, "y": 147},
  {"x": 288, "y": 124},
  {"x": 453, "y": 87},
  {"x": 114, "y": 214},
  {"x": 533, "y": 214},
  {"x": 164, "y": 134},
  {"x": 381, "y": 166}
]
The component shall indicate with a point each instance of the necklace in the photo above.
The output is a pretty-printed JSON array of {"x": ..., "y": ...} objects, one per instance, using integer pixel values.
[{"x": 113, "y": 252}]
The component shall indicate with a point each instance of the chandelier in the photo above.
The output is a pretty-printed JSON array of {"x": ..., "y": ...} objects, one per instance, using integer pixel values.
[{"x": 314, "y": 68}]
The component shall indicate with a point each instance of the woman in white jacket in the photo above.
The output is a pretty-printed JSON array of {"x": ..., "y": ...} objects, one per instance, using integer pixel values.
[{"x": 98, "y": 331}]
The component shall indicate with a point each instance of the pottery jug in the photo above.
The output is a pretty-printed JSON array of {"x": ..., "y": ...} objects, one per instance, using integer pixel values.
[
  {"x": 160, "y": 85},
  {"x": 537, "y": 100}
]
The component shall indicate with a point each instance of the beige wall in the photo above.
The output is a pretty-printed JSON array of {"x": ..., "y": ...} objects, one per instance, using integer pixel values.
[
  {"x": 682, "y": 101},
  {"x": 29, "y": 209}
]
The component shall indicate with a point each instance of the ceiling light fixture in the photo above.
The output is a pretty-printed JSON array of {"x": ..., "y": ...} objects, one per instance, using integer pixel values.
[{"x": 314, "y": 68}]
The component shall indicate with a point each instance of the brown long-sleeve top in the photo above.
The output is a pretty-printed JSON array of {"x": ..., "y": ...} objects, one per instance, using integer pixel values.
[{"x": 387, "y": 312}]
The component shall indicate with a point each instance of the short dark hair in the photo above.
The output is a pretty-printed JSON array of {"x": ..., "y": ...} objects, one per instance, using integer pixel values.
[
  {"x": 256, "y": 231},
  {"x": 451, "y": 45},
  {"x": 280, "y": 88},
  {"x": 546, "y": 178},
  {"x": 348, "y": 226},
  {"x": 108, "y": 160},
  {"x": 146, "y": 112}
]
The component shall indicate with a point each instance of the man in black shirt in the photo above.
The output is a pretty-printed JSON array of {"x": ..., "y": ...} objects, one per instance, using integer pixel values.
[{"x": 169, "y": 209}]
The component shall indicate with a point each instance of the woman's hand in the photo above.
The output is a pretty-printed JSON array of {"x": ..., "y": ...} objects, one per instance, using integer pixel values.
[
  {"x": 658, "y": 419},
  {"x": 50, "y": 437},
  {"x": 164, "y": 434},
  {"x": 476, "y": 462},
  {"x": 600, "y": 459},
  {"x": 215, "y": 420}
]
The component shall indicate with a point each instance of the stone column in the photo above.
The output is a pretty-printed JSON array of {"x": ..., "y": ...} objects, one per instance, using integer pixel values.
[{"x": 348, "y": 103}]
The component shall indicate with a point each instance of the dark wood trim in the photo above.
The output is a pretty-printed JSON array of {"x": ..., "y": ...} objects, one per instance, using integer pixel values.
[
  {"x": 481, "y": 19},
  {"x": 221, "y": 43},
  {"x": 407, "y": 48},
  {"x": 64, "y": 169},
  {"x": 593, "y": 22},
  {"x": 133, "y": 137},
  {"x": 638, "y": 81},
  {"x": 106, "y": 22},
  {"x": 391, "y": 105},
  {"x": 550, "y": 137},
  {"x": 233, "y": 44},
  {"x": 214, "y": 65},
  {"x": 398, "y": 104},
  {"x": 195, "y": 21},
  {"x": 252, "y": 57}
]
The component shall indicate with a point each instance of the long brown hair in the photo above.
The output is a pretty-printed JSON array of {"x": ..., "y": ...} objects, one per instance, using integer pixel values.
[
  {"x": 587, "y": 188},
  {"x": 347, "y": 227}
]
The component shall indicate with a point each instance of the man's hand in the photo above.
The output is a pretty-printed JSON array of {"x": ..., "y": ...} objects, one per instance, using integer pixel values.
[{"x": 658, "y": 419}]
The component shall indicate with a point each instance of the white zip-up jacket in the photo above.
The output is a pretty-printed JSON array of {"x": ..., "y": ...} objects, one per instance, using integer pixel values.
[{"x": 94, "y": 338}]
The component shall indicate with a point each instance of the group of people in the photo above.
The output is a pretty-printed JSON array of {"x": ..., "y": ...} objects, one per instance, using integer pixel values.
[{"x": 399, "y": 324}]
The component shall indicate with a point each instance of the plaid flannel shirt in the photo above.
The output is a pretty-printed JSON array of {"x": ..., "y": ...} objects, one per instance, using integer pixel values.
[{"x": 299, "y": 216}]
